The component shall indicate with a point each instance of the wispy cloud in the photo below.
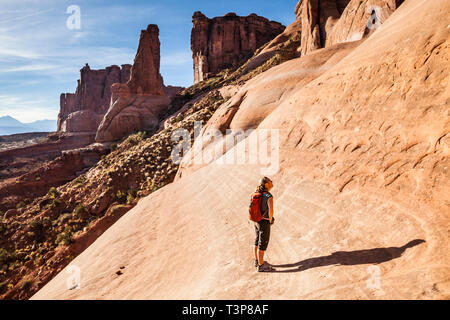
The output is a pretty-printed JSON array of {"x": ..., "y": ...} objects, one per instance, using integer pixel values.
[
  {"x": 22, "y": 17},
  {"x": 28, "y": 68}
]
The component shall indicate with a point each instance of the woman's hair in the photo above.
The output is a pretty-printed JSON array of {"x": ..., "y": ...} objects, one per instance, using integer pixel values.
[{"x": 262, "y": 184}]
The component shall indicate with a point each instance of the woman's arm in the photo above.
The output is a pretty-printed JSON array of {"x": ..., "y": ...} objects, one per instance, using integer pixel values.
[{"x": 270, "y": 204}]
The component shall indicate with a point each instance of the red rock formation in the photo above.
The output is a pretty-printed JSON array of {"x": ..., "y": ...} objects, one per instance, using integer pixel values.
[
  {"x": 145, "y": 77},
  {"x": 137, "y": 104},
  {"x": 222, "y": 42},
  {"x": 84, "y": 109}
]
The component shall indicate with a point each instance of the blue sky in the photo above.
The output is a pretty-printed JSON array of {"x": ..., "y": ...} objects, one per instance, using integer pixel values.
[{"x": 40, "y": 57}]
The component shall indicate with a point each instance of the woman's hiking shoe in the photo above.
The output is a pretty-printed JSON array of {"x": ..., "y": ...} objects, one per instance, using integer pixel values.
[{"x": 265, "y": 267}]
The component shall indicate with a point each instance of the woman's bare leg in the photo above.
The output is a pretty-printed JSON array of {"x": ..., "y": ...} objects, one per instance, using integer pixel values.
[{"x": 261, "y": 257}]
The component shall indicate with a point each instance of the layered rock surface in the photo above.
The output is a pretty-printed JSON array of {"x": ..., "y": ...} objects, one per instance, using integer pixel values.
[
  {"x": 224, "y": 42},
  {"x": 362, "y": 184}
]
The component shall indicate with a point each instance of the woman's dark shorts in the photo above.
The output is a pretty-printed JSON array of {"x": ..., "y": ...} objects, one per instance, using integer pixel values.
[{"x": 262, "y": 230}]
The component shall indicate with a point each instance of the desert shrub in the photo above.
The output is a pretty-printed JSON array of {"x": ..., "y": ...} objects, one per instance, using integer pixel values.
[
  {"x": 26, "y": 284},
  {"x": 55, "y": 202},
  {"x": 79, "y": 180},
  {"x": 62, "y": 219},
  {"x": 121, "y": 196},
  {"x": 36, "y": 232},
  {"x": 132, "y": 140},
  {"x": 20, "y": 205},
  {"x": 80, "y": 212},
  {"x": 130, "y": 199},
  {"x": 65, "y": 237},
  {"x": 3, "y": 226},
  {"x": 3, "y": 287},
  {"x": 53, "y": 193},
  {"x": 113, "y": 147},
  {"x": 143, "y": 134},
  {"x": 38, "y": 261},
  {"x": 132, "y": 192},
  {"x": 46, "y": 222},
  {"x": 6, "y": 257}
]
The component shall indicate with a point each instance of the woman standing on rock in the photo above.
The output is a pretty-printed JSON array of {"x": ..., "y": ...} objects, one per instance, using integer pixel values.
[{"x": 262, "y": 227}]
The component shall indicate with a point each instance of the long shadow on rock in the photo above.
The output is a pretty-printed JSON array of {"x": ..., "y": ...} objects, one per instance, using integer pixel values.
[{"x": 369, "y": 256}]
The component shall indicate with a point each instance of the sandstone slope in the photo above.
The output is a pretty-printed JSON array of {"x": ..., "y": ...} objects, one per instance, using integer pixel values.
[{"x": 363, "y": 182}]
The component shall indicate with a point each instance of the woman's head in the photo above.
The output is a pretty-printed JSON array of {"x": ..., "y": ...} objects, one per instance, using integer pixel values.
[{"x": 265, "y": 184}]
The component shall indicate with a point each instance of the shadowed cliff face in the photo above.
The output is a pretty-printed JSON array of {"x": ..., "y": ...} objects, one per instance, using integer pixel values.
[{"x": 224, "y": 42}]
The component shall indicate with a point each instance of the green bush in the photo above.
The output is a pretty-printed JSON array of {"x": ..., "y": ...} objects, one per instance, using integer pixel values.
[
  {"x": 121, "y": 196},
  {"x": 20, "y": 205},
  {"x": 53, "y": 193},
  {"x": 79, "y": 180},
  {"x": 46, "y": 222},
  {"x": 80, "y": 212},
  {"x": 132, "y": 140},
  {"x": 26, "y": 284},
  {"x": 143, "y": 134},
  {"x": 113, "y": 147},
  {"x": 130, "y": 199},
  {"x": 6, "y": 257},
  {"x": 3, "y": 226},
  {"x": 65, "y": 237},
  {"x": 36, "y": 232},
  {"x": 54, "y": 203}
]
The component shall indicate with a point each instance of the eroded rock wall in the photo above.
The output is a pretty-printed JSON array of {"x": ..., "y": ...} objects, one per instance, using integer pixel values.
[{"x": 226, "y": 41}]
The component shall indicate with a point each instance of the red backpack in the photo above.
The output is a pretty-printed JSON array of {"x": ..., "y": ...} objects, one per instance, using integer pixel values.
[{"x": 254, "y": 208}]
